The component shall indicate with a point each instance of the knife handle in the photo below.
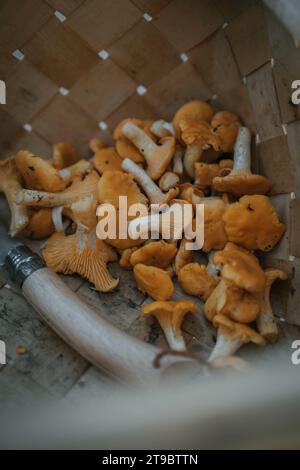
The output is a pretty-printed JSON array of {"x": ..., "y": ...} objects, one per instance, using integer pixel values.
[{"x": 99, "y": 341}]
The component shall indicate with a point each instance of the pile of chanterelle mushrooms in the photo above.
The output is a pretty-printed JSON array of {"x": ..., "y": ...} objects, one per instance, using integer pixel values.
[{"x": 188, "y": 160}]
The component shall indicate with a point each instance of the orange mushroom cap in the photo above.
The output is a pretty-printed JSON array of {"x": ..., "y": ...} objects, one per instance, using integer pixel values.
[
  {"x": 63, "y": 255},
  {"x": 241, "y": 267},
  {"x": 153, "y": 281},
  {"x": 159, "y": 254},
  {"x": 40, "y": 225},
  {"x": 195, "y": 280},
  {"x": 107, "y": 159},
  {"x": 236, "y": 331},
  {"x": 252, "y": 222},
  {"x": 64, "y": 155},
  {"x": 226, "y": 125},
  {"x": 196, "y": 110}
]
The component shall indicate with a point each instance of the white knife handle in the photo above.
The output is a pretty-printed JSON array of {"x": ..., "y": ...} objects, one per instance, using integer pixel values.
[{"x": 94, "y": 338}]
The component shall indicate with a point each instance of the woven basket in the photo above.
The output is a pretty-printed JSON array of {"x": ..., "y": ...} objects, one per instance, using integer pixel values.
[{"x": 73, "y": 69}]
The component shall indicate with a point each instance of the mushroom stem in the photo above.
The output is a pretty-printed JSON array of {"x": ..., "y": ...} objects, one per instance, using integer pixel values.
[
  {"x": 78, "y": 169},
  {"x": 154, "y": 193},
  {"x": 177, "y": 161},
  {"x": 242, "y": 153},
  {"x": 265, "y": 322},
  {"x": 192, "y": 155},
  {"x": 174, "y": 341},
  {"x": 140, "y": 139},
  {"x": 224, "y": 346},
  {"x": 162, "y": 128}
]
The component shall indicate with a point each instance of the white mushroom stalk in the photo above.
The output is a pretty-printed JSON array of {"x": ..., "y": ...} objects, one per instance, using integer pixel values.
[
  {"x": 174, "y": 340},
  {"x": 162, "y": 128},
  {"x": 177, "y": 161},
  {"x": 192, "y": 155},
  {"x": 242, "y": 153},
  {"x": 212, "y": 268},
  {"x": 224, "y": 346},
  {"x": 154, "y": 193},
  {"x": 266, "y": 323},
  {"x": 158, "y": 157}
]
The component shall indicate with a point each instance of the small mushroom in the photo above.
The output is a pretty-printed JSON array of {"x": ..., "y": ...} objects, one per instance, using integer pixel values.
[
  {"x": 226, "y": 126},
  {"x": 229, "y": 300},
  {"x": 206, "y": 172},
  {"x": 240, "y": 180},
  {"x": 170, "y": 316},
  {"x": 183, "y": 256},
  {"x": 191, "y": 193},
  {"x": 159, "y": 254},
  {"x": 64, "y": 155},
  {"x": 168, "y": 180},
  {"x": 40, "y": 225},
  {"x": 153, "y": 281},
  {"x": 38, "y": 173},
  {"x": 231, "y": 337},
  {"x": 241, "y": 267},
  {"x": 10, "y": 184},
  {"x": 252, "y": 222},
  {"x": 64, "y": 255},
  {"x": 196, "y": 110},
  {"x": 265, "y": 322},
  {"x": 162, "y": 128},
  {"x": 107, "y": 159},
  {"x": 78, "y": 190},
  {"x": 158, "y": 157},
  {"x": 154, "y": 193},
  {"x": 198, "y": 136},
  {"x": 194, "y": 279},
  {"x": 124, "y": 147},
  {"x": 124, "y": 261}
]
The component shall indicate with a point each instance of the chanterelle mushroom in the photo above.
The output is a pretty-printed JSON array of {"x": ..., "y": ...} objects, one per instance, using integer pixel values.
[
  {"x": 229, "y": 300},
  {"x": 241, "y": 267},
  {"x": 124, "y": 147},
  {"x": 158, "y": 157},
  {"x": 183, "y": 256},
  {"x": 78, "y": 190},
  {"x": 231, "y": 336},
  {"x": 226, "y": 126},
  {"x": 214, "y": 234},
  {"x": 107, "y": 159},
  {"x": 161, "y": 128},
  {"x": 206, "y": 172},
  {"x": 64, "y": 154},
  {"x": 159, "y": 254},
  {"x": 252, "y": 222},
  {"x": 154, "y": 193},
  {"x": 194, "y": 279},
  {"x": 240, "y": 180},
  {"x": 153, "y": 281},
  {"x": 265, "y": 322},
  {"x": 40, "y": 225},
  {"x": 196, "y": 110},
  {"x": 198, "y": 136},
  {"x": 168, "y": 180},
  {"x": 63, "y": 255},
  {"x": 10, "y": 184},
  {"x": 170, "y": 315}
]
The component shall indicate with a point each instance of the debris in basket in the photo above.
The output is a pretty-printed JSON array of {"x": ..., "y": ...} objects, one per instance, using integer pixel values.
[{"x": 201, "y": 157}]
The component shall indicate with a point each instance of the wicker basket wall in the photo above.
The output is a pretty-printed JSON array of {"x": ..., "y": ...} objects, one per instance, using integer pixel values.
[{"x": 73, "y": 69}]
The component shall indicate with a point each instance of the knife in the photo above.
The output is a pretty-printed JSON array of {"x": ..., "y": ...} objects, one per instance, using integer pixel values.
[{"x": 101, "y": 343}]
